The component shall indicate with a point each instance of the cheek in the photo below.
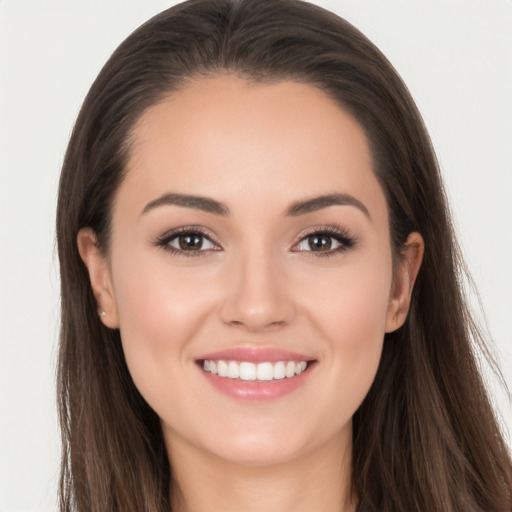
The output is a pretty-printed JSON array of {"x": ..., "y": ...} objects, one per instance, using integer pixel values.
[
  {"x": 351, "y": 315},
  {"x": 157, "y": 299},
  {"x": 160, "y": 312},
  {"x": 351, "y": 305}
]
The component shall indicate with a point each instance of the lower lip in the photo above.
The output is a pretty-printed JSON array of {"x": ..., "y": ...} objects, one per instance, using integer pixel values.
[{"x": 257, "y": 390}]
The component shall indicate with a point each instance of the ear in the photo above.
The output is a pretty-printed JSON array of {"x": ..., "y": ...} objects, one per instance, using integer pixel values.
[
  {"x": 403, "y": 281},
  {"x": 99, "y": 274}
]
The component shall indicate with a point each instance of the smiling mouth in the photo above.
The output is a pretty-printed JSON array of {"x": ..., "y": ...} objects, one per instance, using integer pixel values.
[{"x": 248, "y": 371}]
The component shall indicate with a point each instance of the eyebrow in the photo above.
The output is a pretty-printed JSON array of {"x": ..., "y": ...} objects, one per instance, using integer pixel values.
[
  {"x": 296, "y": 209},
  {"x": 188, "y": 201},
  {"x": 318, "y": 203}
]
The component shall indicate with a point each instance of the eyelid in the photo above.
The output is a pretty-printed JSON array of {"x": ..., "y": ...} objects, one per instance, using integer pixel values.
[
  {"x": 163, "y": 240},
  {"x": 341, "y": 234}
]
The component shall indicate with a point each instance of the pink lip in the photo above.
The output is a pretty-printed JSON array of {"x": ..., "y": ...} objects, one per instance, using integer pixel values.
[
  {"x": 256, "y": 390},
  {"x": 255, "y": 355}
]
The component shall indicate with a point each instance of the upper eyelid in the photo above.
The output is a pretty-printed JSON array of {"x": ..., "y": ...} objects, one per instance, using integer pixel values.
[
  {"x": 334, "y": 231},
  {"x": 188, "y": 229},
  {"x": 342, "y": 235},
  {"x": 169, "y": 235},
  {"x": 329, "y": 230}
]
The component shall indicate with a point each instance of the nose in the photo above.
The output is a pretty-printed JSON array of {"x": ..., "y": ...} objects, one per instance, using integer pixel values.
[{"x": 256, "y": 296}]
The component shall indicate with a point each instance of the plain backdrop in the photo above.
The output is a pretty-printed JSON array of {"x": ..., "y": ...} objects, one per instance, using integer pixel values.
[{"x": 456, "y": 58}]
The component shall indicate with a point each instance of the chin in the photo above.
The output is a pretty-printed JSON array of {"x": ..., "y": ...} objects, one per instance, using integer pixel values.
[
  {"x": 273, "y": 445},
  {"x": 255, "y": 452}
]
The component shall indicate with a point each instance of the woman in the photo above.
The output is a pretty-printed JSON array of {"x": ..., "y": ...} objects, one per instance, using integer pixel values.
[{"x": 260, "y": 298}]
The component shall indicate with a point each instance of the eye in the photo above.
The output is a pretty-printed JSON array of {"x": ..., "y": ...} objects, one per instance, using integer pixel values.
[
  {"x": 325, "y": 242},
  {"x": 190, "y": 241},
  {"x": 318, "y": 243}
]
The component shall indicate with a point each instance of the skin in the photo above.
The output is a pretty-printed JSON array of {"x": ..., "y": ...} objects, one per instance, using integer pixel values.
[{"x": 257, "y": 149}]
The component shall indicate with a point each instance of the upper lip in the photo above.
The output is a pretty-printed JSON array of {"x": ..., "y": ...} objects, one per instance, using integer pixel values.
[{"x": 255, "y": 355}]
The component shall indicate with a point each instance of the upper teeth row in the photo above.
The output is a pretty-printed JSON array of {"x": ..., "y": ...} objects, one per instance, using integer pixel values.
[{"x": 250, "y": 371}]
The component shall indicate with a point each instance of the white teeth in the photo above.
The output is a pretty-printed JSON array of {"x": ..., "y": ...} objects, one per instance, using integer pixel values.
[
  {"x": 233, "y": 370},
  {"x": 265, "y": 371},
  {"x": 300, "y": 367},
  {"x": 279, "y": 370},
  {"x": 290, "y": 369},
  {"x": 222, "y": 369},
  {"x": 247, "y": 371},
  {"x": 251, "y": 371}
]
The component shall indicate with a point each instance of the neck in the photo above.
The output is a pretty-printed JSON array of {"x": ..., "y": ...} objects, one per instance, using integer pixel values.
[{"x": 319, "y": 480}]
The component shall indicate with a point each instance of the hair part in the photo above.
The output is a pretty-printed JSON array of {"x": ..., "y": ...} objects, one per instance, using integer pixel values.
[{"x": 425, "y": 437}]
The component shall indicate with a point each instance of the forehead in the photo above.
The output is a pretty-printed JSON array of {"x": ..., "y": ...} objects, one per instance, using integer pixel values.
[{"x": 223, "y": 136}]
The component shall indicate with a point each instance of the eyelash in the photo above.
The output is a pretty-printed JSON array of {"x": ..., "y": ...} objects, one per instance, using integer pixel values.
[
  {"x": 165, "y": 240},
  {"x": 337, "y": 233}
]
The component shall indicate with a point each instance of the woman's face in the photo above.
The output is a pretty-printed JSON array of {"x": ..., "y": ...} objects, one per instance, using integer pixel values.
[{"x": 251, "y": 233}]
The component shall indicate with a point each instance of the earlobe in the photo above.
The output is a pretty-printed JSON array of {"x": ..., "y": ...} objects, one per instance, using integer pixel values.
[
  {"x": 403, "y": 281},
  {"x": 99, "y": 275}
]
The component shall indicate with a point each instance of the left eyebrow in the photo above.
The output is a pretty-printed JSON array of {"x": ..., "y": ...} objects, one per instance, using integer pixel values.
[{"x": 318, "y": 203}]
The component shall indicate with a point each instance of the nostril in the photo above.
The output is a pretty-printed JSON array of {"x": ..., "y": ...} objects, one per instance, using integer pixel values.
[
  {"x": 255, "y": 326},
  {"x": 256, "y": 302}
]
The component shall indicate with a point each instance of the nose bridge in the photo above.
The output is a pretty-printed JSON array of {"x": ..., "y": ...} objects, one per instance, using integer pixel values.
[{"x": 255, "y": 295}]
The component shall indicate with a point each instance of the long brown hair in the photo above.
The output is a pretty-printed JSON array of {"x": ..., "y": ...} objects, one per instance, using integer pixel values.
[{"x": 425, "y": 437}]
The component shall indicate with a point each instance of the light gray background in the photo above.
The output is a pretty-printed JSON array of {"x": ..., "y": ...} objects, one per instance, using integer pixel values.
[{"x": 456, "y": 58}]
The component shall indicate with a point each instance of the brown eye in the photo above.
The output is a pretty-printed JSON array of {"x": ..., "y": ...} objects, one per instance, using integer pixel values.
[
  {"x": 319, "y": 242},
  {"x": 325, "y": 242},
  {"x": 188, "y": 242}
]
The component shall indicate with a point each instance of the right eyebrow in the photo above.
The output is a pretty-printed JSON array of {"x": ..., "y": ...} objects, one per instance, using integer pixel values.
[{"x": 205, "y": 204}]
